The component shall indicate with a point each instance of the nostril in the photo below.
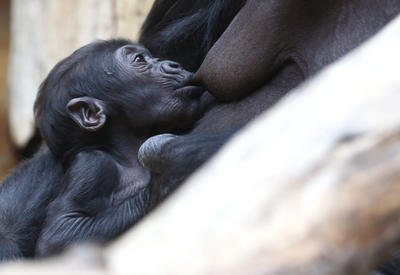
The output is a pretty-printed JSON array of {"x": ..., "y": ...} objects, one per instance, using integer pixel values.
[
  {"x": 174, "y": 65},
  {"x": 170, "y": 66}
]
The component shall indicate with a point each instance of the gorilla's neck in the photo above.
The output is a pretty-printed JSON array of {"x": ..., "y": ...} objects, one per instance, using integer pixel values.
[{"x": 123, "y": 144}]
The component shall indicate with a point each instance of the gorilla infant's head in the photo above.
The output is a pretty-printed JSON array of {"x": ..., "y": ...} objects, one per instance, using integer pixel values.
[{"x": 111, "y": 85}]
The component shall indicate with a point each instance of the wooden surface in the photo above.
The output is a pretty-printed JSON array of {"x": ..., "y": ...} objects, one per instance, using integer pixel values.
[
  {"x": 44, "y": 31},
  {"x": 311, "y": 187}
]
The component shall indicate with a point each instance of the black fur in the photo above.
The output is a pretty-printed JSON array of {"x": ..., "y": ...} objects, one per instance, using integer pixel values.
[
  {"x": 24, "y": 197},
  {"x": 185, "y": 30},
  {"x": 94, "y": 110}
]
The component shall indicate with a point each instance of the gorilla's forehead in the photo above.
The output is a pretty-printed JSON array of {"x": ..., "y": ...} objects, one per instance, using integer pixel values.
[{"x": 133, "y": 48}]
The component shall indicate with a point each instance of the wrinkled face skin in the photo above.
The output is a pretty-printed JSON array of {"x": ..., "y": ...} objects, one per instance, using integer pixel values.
[{"x": 164, "y": 90}]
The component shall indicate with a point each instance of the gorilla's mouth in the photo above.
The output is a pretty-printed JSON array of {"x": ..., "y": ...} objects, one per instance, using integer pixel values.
[
  {"x": 190, "y": 91},
  {"x": 190, "y": 88}
]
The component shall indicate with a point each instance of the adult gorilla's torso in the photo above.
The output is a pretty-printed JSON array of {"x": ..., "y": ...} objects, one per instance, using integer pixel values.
[
  {"x": 266, "y": 50},
  {"x": 250, "y": 54}
]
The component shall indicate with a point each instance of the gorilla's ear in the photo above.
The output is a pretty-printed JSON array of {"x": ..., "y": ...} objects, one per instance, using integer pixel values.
[{"x": 87, "y": 112}]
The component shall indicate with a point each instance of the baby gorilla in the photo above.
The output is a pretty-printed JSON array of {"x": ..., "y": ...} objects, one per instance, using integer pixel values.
[{"x": 94, "y": 110}]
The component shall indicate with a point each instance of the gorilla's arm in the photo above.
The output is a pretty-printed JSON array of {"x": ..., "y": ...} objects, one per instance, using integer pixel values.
[
  {"x": 24, "y": 197},
  {"x": 86, "y": 210}
]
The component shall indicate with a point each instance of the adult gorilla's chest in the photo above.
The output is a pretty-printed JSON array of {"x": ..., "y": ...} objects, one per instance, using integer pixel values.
[{"x": 267, "y": 49}]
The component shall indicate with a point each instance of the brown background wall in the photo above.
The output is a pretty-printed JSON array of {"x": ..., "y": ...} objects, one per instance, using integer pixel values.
[{"x": 7, "y": 159}]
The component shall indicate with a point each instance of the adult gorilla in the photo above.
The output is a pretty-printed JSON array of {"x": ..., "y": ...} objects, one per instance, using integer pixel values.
[{"x": 268, "y": 47}]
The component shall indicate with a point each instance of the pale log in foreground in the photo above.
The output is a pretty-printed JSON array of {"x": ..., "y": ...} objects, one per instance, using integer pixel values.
[{"x": 311, "y": 187}]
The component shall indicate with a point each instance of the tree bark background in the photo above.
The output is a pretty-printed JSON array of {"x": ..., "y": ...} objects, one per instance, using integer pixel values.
[{"x": 45, "y": 31}]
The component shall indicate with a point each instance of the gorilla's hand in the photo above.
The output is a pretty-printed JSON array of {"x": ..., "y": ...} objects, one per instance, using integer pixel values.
[
  {"x": 171, "y": 158},
  {"x": 151, "y": 152}
]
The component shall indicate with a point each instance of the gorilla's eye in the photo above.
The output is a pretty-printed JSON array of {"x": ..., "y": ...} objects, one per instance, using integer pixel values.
[{"x": 139, "y": 59}]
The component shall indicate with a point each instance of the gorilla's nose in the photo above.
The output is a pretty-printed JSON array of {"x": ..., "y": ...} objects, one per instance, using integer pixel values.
[{"x": 170, "y": 67}]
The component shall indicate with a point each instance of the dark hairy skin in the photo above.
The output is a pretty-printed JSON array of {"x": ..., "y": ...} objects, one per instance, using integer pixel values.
[
  {"x": 94, "y": 110},
  {"x": 266, "y": 35},
  {"x": 268, "y": 48}
]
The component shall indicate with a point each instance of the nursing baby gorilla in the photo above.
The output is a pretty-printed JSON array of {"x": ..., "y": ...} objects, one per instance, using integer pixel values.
[{"x": 94, "y": 110}]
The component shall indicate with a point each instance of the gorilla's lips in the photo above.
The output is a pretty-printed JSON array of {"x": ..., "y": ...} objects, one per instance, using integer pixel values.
[
  {"x": 190, "y": 88},
  {"x": 190, "y": 91}
]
